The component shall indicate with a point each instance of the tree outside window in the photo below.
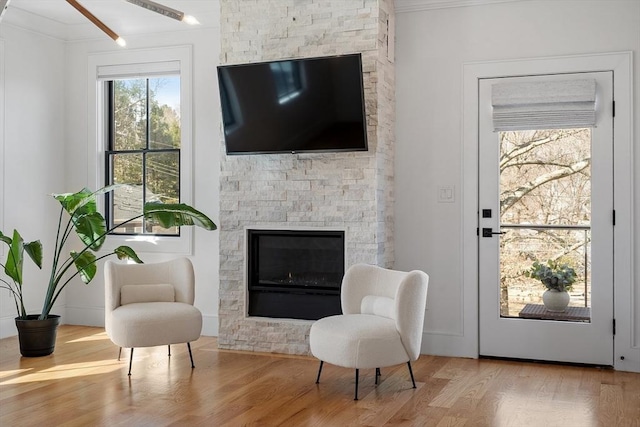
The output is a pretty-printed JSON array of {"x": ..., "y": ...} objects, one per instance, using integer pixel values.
[{"x": 545, "y": 211}]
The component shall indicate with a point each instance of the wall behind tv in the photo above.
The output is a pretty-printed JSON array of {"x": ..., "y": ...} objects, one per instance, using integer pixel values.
[
  {"x": 432, "y": 46},
  {"x": 347, "y": 191}
]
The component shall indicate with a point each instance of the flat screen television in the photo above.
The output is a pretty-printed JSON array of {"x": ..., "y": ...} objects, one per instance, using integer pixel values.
[{"x": 295, "y": 105}]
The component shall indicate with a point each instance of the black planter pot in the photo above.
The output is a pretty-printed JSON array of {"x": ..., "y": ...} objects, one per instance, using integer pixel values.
[{"x": 37, "y": 337}]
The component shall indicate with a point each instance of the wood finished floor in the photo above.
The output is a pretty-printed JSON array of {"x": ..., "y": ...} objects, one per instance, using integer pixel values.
[{"x": 82, "y": 384}]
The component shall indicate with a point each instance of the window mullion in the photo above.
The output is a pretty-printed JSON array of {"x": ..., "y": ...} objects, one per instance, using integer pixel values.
[
  {"x": 108, "y": 169},
  {"x": 144, "y": 157},
  {"x": 144, "y": 190}
]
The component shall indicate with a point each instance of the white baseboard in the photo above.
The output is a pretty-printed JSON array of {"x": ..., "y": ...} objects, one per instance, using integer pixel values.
[
  {"x": 209, "y": 325},
  {"x": 85, "y": 316},
  {"x": 8, "y": 323},
  {"x": 630, "y": 362},
  {"x": 450, "y": 345},
  {"x": 7, "y": 327}
]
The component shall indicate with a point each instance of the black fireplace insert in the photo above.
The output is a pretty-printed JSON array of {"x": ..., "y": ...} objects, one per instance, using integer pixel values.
[{"x": 295, "y": 274}]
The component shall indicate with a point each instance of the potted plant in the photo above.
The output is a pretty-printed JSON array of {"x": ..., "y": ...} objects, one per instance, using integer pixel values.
[
  {"x": 37, "y": 332},
  {"x": 558, "y": 278}
]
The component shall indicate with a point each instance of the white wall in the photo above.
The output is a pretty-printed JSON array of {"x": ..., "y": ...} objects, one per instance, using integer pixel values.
[
  {"x": 47, "y": 146},
  {"x": 431, "y": 48},
  {"x": 85, "y": 303},
  {"x": 33, "y": 160}
]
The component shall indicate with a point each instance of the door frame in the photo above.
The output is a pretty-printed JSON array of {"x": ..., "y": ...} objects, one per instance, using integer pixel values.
[
  {"x": 626, "y": 349},
  {"x": 509, "y": 335}
]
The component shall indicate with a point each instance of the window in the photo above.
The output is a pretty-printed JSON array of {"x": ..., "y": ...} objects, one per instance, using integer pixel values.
[
  {"x": 545, "y": 211},
  {"x": 153, "y": 147},
  {"x": 228, "y": 114},
  {"x": 287, "y": 78},
  {"x": 143, "y": 149}
]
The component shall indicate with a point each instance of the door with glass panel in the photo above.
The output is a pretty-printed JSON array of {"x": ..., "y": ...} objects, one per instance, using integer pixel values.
[{"x": 546, "y": 212}]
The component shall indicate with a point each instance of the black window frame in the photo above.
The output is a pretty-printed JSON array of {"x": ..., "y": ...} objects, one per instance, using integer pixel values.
[{"x": 110, "y": 153}]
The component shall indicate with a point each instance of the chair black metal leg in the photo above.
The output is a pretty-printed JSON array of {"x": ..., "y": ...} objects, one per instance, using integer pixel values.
[
  {"x": 377, "y": 375},
  {"x": 190, "y": 355},
  {"x": 319, "y": 372},
  {"x": 411, "y": 373},
  {"x": 357, "y": 375},
  {"x": 119, "y": 353},
  {"x": 169, "y": 350},
  {"x": 130, "y": 361}
]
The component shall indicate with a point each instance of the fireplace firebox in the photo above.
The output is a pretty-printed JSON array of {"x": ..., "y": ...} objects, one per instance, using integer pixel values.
[{"x": 295, "y": 274}]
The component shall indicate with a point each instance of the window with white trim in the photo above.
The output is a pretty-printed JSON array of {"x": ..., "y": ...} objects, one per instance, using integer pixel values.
[{"x": 143, "y": 132}]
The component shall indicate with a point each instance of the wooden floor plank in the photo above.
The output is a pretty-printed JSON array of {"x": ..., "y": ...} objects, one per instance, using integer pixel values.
[{"x": 83, "y": 384}]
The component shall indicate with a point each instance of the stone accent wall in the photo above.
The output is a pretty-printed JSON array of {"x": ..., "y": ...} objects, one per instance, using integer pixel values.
[
  {"x": 385, "y": 136},
  {"x": 341, "y": 191}
]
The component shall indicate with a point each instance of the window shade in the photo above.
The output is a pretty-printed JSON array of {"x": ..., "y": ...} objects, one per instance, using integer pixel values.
[
  {"x": 544, "y": 105},
  {"x": 148, "y": 69}
]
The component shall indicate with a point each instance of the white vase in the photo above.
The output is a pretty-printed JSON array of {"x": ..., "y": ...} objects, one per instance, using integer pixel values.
[{"x": 555, "y": 300}]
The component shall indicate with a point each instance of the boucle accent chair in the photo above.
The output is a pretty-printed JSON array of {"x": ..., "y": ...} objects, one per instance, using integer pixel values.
[
  {"x": 380, "y": 325},
  {"x": 148, "y": 305}
]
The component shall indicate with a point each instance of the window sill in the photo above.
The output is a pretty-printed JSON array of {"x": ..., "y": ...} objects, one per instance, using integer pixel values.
[{"x": 153, "y": 244}]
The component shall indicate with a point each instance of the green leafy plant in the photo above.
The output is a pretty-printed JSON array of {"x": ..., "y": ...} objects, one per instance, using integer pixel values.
[
  {"x": 90, "y": 227},
  {"x": 554, "y": 275}
]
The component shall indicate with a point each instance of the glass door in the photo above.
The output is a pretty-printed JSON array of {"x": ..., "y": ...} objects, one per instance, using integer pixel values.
[{"x": 545, "y": 224}]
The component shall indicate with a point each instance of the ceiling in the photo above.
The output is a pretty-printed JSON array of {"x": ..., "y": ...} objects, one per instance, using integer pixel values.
[{"x": 58, "y": 18}]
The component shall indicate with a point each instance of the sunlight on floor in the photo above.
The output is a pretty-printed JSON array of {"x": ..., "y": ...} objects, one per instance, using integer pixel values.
[
  {"x": 10, "y": 373},
  {"x": 514, "y": 410},
  {"x": 66, "y": 371},
  {"x": 94, "y": 337}
]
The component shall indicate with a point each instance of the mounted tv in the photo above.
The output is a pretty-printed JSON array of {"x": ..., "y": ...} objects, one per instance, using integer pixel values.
[{"x": 293, "y": 106}]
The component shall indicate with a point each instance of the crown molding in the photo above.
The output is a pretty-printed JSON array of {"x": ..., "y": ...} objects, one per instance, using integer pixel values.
[
  {"x": 29, "y": 21},
  {"x": 406, "y": 6}
]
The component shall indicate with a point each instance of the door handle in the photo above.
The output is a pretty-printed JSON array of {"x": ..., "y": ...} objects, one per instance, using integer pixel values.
[{"x": 488, "y": 232}]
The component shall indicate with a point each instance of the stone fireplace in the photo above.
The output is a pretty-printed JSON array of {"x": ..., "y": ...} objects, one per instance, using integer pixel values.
[{"x": 351, "y": 192}]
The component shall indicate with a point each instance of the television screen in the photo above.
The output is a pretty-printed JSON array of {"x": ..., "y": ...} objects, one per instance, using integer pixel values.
[{"x": 297, "y": 105}]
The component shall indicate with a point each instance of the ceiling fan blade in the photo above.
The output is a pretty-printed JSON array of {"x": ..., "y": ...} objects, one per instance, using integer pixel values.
[
  {"x": 3, "y": 7},
  {"x": 98, "y": 23},
  {"x": 165, "y": 10}
]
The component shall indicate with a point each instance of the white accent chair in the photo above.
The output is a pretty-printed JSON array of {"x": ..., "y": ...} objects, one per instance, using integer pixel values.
[
  {"x": 148, "y": 305},
  {"x": 381, "y": 325}
]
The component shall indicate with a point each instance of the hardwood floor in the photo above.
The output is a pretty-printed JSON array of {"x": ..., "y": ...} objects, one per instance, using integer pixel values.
[{"x": 82, "y": 384}]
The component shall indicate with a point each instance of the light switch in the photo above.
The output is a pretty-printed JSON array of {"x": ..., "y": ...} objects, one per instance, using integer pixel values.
[{"x": 446, "y": 194}]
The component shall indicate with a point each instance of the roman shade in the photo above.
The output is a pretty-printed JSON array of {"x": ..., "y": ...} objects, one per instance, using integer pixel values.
[
  {"x": 543, "y": 104},
  {"x": 138, "y": 70}
]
